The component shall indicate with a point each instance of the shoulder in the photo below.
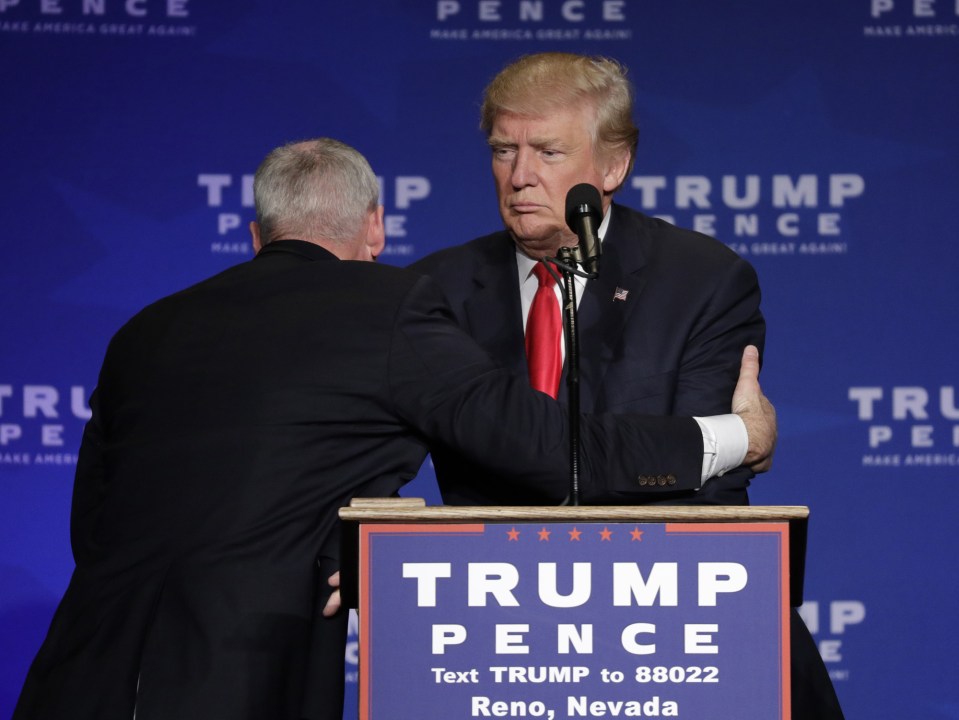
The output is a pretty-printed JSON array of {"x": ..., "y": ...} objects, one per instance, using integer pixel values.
[
  {"x": 666, "y": 245},
  {"x": 278, "y": 288},
  {"x": 401, "y": 288},
  {"x": 390, "y": 277},
  {"x": 491, "y": 249}
]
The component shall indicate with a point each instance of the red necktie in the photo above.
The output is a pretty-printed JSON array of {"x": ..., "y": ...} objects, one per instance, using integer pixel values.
[{"x": 543, "y": 328}]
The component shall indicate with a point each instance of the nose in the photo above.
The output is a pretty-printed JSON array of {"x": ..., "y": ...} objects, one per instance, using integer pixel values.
[{"x": 523, "y": 172}]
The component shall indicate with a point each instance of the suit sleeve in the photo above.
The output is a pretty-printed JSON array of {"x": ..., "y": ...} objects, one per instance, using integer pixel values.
[
  {"x": 446, "y": 387},
  {"x": 711, "y": 358},
  {"x": 89, "y": 486},
  {"x": 91, "y": 482}
]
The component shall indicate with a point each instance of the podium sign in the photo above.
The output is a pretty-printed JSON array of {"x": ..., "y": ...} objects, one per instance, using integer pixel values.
[{"x": 569, "y": 620}]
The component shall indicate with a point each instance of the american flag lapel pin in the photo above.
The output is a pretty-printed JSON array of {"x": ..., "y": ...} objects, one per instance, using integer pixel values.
[{"x": 620, "y": 294}]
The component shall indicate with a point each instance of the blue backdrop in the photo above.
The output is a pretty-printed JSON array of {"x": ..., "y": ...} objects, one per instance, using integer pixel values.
[{"x": 816, "y": 138}]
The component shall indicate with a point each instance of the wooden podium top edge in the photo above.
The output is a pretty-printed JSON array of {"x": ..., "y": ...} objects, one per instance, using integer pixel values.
[{"x": 380, "y": 510}]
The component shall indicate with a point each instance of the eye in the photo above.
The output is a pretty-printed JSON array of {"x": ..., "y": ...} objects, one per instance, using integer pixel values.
[{"x": 503, "y": 153}]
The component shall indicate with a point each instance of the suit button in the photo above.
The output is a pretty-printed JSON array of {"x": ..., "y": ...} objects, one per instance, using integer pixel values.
[
  {"x": 671, "y": 479},
  {"x": 661, "y": 480},
  {"x": 642, "y": 480}
]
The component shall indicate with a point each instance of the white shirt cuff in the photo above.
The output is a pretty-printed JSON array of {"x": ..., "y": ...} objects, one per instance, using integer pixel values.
[{"x": 725, "y": 442}]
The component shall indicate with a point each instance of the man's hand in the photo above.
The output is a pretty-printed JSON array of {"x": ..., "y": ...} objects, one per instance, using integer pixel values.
[
  {"x": 333, "y": 604},
  {"x": 757, "y": 412}
]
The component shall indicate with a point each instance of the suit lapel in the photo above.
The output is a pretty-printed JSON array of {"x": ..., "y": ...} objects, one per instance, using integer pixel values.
[
  {"x": 603, "y": 310},
  {"x": 493, "y": 310}
]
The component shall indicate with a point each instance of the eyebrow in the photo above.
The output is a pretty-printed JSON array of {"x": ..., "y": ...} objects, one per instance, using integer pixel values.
[{"x": 536, "y": 142}]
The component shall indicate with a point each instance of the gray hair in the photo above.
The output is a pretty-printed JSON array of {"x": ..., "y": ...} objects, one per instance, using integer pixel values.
[{"x": 315, "y": 189}]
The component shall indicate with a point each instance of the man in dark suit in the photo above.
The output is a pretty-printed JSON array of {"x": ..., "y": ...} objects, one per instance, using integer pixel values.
[
  {"x": 663, "y": 326},
  {"x": 230, "y": 422},
  {"x": 661, "y": 329}
]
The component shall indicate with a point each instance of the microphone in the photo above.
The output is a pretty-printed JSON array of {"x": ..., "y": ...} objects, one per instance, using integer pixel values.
[{"x": 584, "y": 215}]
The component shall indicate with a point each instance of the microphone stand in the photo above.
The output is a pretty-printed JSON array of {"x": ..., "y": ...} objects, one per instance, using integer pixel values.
[{"x": 567, "y": 263}]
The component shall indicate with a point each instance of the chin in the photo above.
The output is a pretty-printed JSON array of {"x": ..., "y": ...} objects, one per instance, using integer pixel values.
[
  {"x": 536, "y": 247},
  {"x": 533, "y": 233}
]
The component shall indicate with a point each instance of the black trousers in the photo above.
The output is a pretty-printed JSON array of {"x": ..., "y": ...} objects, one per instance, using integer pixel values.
[{"x": 813, "y": 696}]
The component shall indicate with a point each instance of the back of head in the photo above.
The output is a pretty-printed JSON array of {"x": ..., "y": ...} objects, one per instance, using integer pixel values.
[
  {"x": 314, "y": 190},
  {"x": 536, "y": 85}
]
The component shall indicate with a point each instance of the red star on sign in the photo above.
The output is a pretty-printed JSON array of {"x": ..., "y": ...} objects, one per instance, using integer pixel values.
[
  {"x": 513, "y": 534},
  {"x": 637, "y": 534},
  {"x": 574, "y": 534},
  {"x": 544, "y": 535},
  {"x": 606, "y": 534}
]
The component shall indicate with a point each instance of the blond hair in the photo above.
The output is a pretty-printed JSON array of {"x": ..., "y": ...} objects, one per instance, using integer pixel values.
[{"x": 537, "y": 84}]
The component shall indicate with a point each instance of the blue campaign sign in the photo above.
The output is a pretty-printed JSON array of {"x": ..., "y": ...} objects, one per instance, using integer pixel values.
[{"x": 574, "y": 620}]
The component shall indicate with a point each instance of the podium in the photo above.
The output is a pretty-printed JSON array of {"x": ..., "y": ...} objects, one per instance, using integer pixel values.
[{"x": 567, "y": 612}]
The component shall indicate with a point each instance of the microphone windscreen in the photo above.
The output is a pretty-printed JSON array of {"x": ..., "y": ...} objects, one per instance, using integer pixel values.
[{"x": 582, "y": 199}]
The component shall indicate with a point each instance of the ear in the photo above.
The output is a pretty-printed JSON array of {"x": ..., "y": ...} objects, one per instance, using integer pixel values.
[
  {"x": 375, "y": 233},
  {"x": 255, "y": 234},
  {"x": 614, "y": 170}
]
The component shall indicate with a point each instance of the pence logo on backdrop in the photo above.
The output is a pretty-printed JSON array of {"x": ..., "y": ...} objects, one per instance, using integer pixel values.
[
  {"x": 38, "y": 421},
  {"x": 828, "y": 623},
  {"x": 793, "y": 214},
  {"x": 912, "y": 19},
  {"x": 231, "y": 196},
  {"x": 352, "y": 655},
  {"x": 908, "y": 425},
  {"x": 530, "y": 20},
  {"x": 149, "y": 18}
]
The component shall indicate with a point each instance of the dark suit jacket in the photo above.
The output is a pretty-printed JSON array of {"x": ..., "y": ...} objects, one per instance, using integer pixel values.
[
  {"x": 230, "y": 422},
  {"x": 671, "y": 347}
]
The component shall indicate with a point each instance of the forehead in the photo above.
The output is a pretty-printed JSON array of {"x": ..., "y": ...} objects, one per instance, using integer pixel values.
[{"x": 565, "y": 125}]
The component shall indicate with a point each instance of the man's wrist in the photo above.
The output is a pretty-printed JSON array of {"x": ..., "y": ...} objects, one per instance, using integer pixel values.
[{"x": 725, "y": 442}]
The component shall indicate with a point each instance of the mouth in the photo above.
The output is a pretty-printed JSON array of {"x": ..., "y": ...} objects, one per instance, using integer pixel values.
[{"x": 524, "y": 206}]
